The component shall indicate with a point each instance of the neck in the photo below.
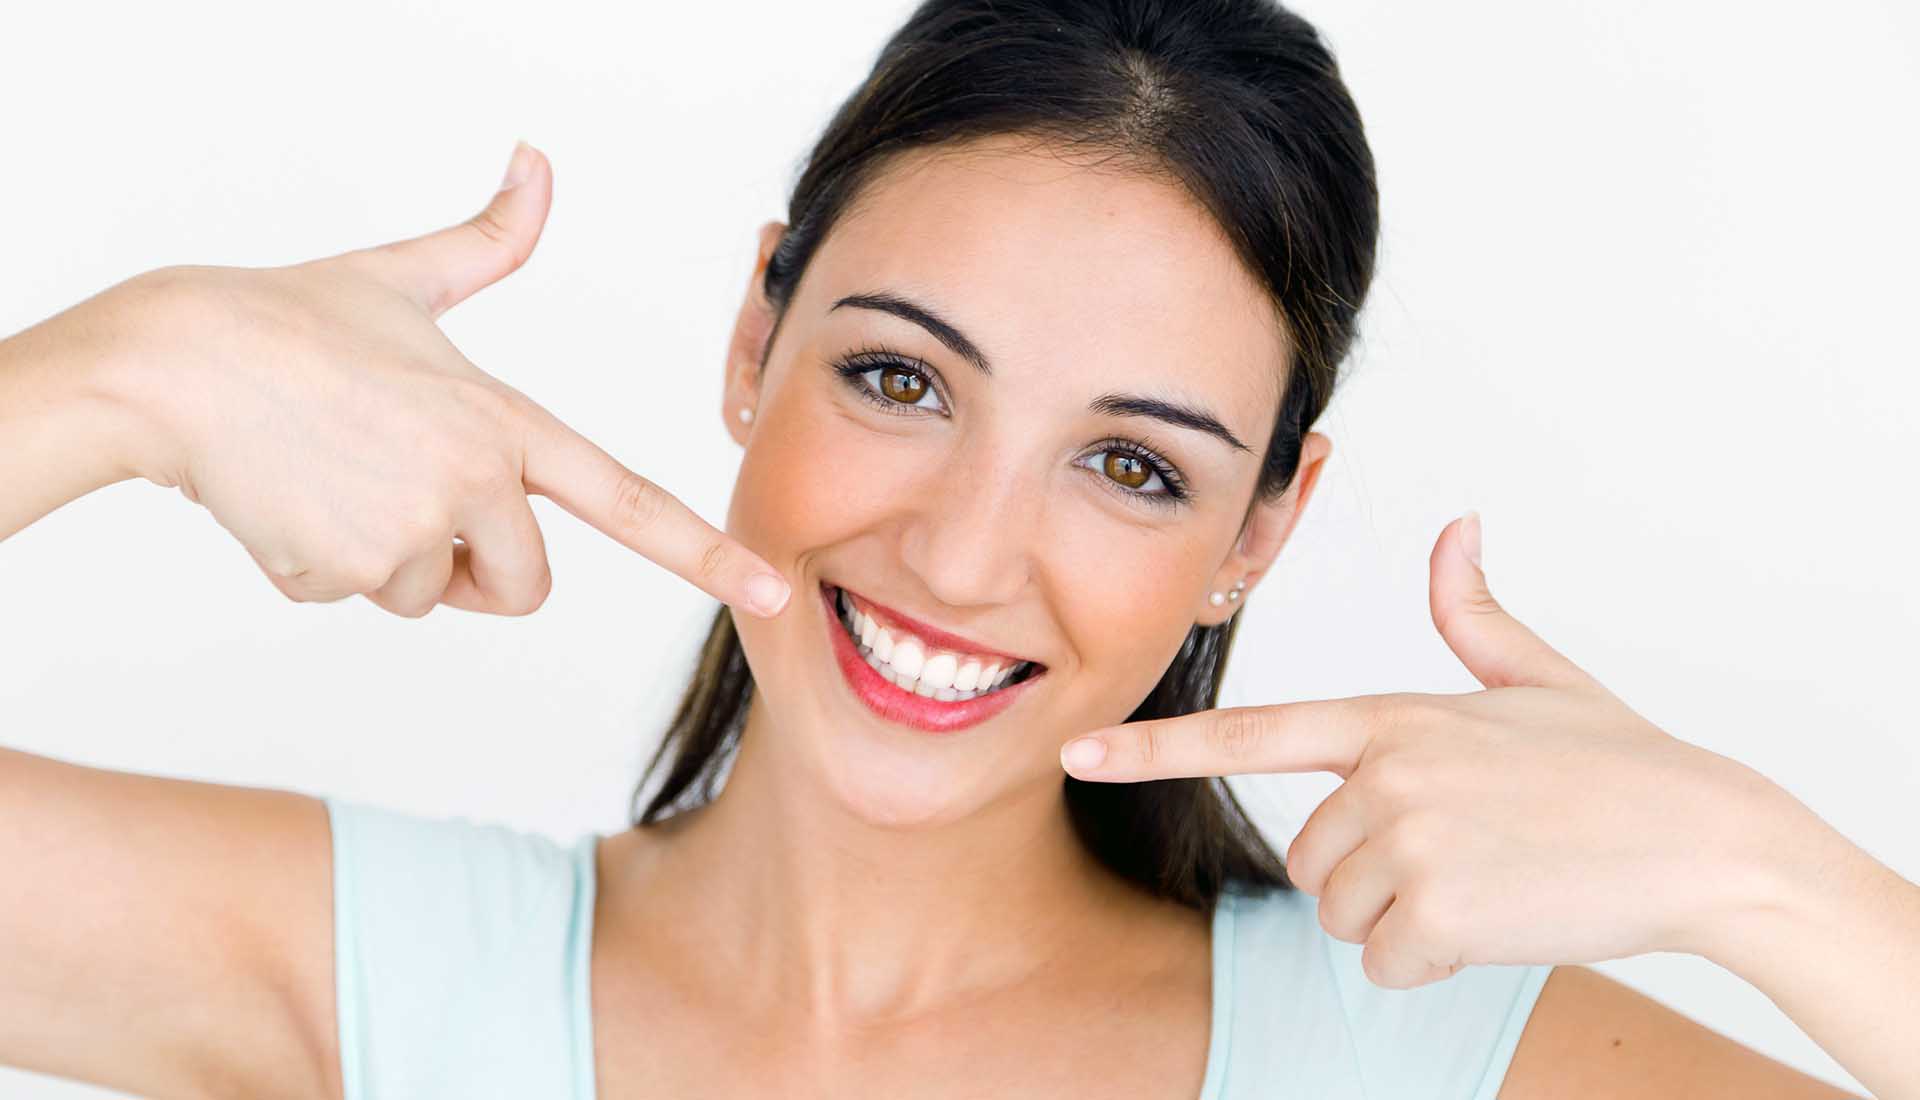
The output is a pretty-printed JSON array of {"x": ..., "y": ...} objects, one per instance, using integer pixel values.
[{"x": 801, "y": 906}]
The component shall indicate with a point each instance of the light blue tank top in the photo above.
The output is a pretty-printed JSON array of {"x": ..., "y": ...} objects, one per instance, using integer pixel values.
[{"x": 461, "y": 970}]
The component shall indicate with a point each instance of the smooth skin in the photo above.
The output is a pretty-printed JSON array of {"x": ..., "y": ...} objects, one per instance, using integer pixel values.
[{"x": 173, "y": 938}]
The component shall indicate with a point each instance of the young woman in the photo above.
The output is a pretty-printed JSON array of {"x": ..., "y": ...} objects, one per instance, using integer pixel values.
[{"x": 1025, "y": 385}]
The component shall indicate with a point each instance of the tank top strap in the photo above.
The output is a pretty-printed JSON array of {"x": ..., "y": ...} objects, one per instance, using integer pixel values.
[{"x": 461, "y": 957}]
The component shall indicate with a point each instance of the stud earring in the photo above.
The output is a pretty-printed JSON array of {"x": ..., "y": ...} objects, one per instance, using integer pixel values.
[
  {"x": 746, "y": 415},
  {"x": 1218, "y": 598}
]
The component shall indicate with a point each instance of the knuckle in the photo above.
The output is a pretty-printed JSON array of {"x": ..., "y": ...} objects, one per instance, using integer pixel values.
[
  {"x": 490, "y": 476},
  {"x": 1374, "y": 964},
  {"x": 1147, "y": 745},
  {"x": 1335, "y": 922},
  {"x": 638, "y": 503},
  {"x": 1392, "y": 781},
  {"x": 490, "y": 227},
  {"x": 1412, "y": 840},
  {"x": 1426, "y": 918},
  {"x": 1236, "y": 733},
  {"x": 529, "y": 599},
  {"x": 365, "y": 574},
  {"x": 713, "y": 559}
]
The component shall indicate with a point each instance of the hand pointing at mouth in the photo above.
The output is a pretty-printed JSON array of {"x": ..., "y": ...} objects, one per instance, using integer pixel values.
[
  {"x": 1539, "y": 821},
  {"x": 323, "y": 418}
]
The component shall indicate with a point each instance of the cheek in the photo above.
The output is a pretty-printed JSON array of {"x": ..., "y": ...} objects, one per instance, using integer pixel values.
[
  {"x": 1128, "y": 599},
  {"x": 799, "y": 483}
]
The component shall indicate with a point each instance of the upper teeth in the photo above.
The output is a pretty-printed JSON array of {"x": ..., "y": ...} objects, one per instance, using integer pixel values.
[{"x": 910, "y": 663}]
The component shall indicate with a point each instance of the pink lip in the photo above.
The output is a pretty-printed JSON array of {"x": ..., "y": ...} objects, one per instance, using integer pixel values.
[
  {"x": 932, "y": 635},
  {"x": 896, "y": 704}
]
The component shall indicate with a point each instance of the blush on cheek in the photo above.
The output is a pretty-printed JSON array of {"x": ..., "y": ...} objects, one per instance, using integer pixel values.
[{"x": 796, "y": 483}]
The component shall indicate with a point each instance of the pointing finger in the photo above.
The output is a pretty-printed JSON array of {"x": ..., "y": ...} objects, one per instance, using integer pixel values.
[
  {"x": 1315, "y": 735},
  {"x": 576, "y": 474}
]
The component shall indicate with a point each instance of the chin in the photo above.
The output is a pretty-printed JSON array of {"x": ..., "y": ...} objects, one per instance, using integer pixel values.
[
  {"x": 886, "y": 755},
  {"x": 896, "y": 790}
]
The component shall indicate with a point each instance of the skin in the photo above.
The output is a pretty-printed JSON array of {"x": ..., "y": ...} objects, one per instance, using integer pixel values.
[
  {"x": 737, "y": 948},
  {"x": 860, "y": 878}
]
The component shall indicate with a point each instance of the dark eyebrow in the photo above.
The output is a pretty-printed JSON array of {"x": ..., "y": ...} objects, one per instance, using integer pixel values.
[
  {"x": 926, "y": 319},
  {"x": 1111, "y": 404},
  {"x": 1184, "y": 416}
]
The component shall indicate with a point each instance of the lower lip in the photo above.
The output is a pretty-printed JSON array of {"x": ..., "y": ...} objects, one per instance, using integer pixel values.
[{"x": 890, "y": 701}]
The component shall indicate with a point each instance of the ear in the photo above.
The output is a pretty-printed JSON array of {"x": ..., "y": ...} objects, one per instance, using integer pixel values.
[
  {"x": 1265, "y": 532},
  {"x": 751, "y": 331}
]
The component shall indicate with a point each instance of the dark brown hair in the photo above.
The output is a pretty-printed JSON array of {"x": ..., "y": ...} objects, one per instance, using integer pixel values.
[{"x": 1239, "y": 102}]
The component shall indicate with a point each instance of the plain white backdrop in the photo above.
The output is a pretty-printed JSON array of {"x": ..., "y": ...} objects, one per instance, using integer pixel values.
[{"x": 1645, "y": 299}]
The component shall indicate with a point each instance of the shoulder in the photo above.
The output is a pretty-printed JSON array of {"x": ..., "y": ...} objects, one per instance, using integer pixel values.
[
  {"x": 1594, "y": 1036},
  {"x": 454, "y": 937},
  {"x": 1301, "y": 1002}
]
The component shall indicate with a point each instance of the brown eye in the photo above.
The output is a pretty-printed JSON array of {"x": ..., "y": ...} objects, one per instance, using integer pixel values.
[
  {"x": 1127, "y": 470},
  {"x": 903, "y": 386}
]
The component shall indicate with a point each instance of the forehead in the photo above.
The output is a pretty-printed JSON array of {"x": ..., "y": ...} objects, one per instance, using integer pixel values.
[{"x": 1065, "y": 266}]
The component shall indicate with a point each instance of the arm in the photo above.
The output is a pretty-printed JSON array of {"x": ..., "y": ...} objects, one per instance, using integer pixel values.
[
  {"x": 174, "y": 938},
  {"x": 1830, "y": 935},
  {"x": 160, "y": 936},
  {"x": 1836, "y": 945},
  {"x": 63, "y": 432}
]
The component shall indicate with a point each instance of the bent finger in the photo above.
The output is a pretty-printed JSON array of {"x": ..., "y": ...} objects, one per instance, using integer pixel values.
[
  {"x": 500, "y": 567},
  {"x": 415, "y": 587}
]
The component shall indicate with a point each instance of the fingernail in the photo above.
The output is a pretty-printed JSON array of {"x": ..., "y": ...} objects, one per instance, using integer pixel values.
[
  {"x": 767, "y": 593},
  {"x": 1470, "y": 537},
  {"x": 1083, "y": 754},
  {"x": 519, "y": 168}
]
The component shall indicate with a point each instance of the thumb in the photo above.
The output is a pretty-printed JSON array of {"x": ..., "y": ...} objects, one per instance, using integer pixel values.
[
  {"x": 442, "y": 269},
  {"x": 1496, "y": 647}
]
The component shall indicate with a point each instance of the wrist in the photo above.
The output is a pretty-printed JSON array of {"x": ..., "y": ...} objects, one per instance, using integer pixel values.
[
  {"x": 1789, "y": 891},
  {"x": 140, "y": 330}
]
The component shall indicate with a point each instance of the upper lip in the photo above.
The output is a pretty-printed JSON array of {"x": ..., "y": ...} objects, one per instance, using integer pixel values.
[{"x": 927, "y": 632}]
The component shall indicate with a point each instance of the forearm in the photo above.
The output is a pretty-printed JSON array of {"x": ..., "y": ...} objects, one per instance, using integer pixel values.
[
  {"x": 1837, "y": 948},
  {"x": 64, "y": 428}
]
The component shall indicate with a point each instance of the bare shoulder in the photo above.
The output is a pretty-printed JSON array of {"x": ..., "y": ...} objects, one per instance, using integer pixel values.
[{"x": 1595, "y": 1038}]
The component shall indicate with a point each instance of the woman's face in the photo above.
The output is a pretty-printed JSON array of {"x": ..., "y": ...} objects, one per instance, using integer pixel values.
[{"x": 987, "y": 478}]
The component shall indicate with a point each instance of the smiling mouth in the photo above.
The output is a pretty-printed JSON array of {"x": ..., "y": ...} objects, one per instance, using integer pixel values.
[{"x": 912, "y": 664}]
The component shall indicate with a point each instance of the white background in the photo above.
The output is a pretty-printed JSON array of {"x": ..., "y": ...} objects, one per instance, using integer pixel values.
[{"x": 1645, "y": 300}]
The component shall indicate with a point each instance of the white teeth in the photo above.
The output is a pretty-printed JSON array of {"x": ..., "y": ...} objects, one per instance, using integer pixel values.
[
  {"x": 906, "y": 664},
  {"x": 939, "y": 670},
  {"x": 908, "y": 658}
]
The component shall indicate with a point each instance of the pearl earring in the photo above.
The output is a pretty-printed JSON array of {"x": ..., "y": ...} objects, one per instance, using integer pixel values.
[
  {"x": 1218, "y": 598},
  {"x": 746, "y": 415}
]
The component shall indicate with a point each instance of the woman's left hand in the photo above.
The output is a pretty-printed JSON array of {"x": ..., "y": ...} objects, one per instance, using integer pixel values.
[{"x": 1540, "y": 821}]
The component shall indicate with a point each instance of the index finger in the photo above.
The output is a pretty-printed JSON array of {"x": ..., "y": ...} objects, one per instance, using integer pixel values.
[
  {"x": 573, "y": 472},
  {"x": 1316, "y": 735}
]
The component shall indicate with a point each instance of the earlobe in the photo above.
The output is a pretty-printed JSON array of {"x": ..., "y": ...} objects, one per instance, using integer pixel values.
[{"x": 752, "y": 328}]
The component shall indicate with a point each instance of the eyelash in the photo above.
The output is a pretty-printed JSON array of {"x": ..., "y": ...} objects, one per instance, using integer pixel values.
[{"x": 854, "y": 366}]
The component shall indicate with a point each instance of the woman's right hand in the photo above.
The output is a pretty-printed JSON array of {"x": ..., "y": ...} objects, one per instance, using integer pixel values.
[{"x": 323, "y": 418}]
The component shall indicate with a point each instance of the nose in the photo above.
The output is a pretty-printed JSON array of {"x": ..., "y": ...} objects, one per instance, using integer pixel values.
[{"x": 971, "y": 541}]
